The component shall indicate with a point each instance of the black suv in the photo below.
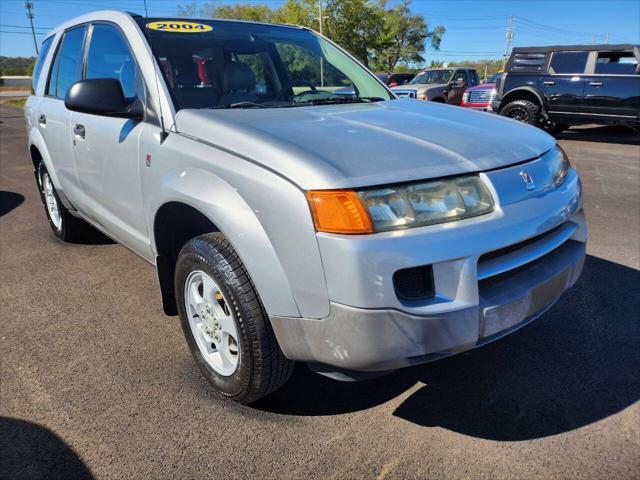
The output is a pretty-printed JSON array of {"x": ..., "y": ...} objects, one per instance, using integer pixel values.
[{"x": 555, "y": 87}]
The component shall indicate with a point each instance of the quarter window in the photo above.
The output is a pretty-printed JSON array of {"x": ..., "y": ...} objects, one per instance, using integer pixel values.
[
  {"x": 616, "y": 63},
  {"x": 109, "y": 57},
  {"x": 37, "y": 69},
  {"x": 568, "y": 62},
  {"x": 67, "y": 67}
]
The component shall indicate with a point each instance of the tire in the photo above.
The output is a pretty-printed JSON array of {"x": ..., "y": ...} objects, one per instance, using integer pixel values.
[
  {"x": 522, "y": 110},
  {"x": 64, "y": 225},
  {"x": 209, "y": 273},
  {"x": 438, "y": 100}
]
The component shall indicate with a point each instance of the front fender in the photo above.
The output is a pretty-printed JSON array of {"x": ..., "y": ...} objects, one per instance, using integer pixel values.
[{"x": 221, "y": 203}]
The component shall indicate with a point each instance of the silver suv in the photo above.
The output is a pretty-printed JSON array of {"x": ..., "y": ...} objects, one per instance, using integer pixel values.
[{"x": 359, "y": 233}]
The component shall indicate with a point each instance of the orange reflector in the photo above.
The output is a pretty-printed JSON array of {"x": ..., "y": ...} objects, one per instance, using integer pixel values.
[{"x": 338, "y": 211}]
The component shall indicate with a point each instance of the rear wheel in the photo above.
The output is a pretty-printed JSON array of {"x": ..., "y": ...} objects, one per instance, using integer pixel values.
[
  {"x": 522, "y": 110},
  {"x": 64, "y": 225},
  {"x": 224, "y": 322}
]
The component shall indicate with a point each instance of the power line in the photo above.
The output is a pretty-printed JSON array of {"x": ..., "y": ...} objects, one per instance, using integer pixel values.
[
  {"x": 22, "y": 33},
  {"x": 22, "y": 26}
]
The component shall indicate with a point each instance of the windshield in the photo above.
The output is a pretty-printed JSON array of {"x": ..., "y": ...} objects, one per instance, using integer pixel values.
[
  {"x": 494, "y": 78},
  {"x": 223, "y": 64},
  {"x": 432, "y": 77}
]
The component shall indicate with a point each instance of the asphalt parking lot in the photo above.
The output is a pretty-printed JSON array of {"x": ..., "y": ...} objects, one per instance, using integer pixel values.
[{"x": 96, "y": 382}]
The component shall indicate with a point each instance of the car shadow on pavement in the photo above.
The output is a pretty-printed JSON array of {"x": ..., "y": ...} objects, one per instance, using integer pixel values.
[
  {"x": 601, "y": 133},
  {"x": 31, "y": 451},
  {"x": 9, "y": 201},
  {"x": 576, "y": 365}
]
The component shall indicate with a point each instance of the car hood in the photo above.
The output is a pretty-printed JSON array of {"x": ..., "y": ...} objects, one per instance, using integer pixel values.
[
  {"x": 356, "y": 145},
  {"x": 421, "y": 86},
  {"x": 483, "y": 86}
]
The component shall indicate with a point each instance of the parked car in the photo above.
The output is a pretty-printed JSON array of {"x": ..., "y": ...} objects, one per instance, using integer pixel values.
[
  {"x": 559, "y": 86},
  {"x": 444, "y": 85},
  {"x": 479, "y": 97},
  {"x": 359, "y": 234},
  {"x": 395, "y": 79}
]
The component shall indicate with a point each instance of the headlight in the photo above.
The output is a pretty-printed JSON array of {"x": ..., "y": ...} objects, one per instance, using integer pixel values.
[
  {"x": 558, "y": 164},
  {"x": 465, "y": 97},
  {"x": 422, "y": 96},
  {"x": 427, "y": 203}
]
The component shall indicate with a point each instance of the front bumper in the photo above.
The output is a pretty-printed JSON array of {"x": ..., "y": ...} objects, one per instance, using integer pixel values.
[
  {"x": 478, "y": 106},
  {"x": 492, "y": 274},
  {"x": 377, "y": 340}
]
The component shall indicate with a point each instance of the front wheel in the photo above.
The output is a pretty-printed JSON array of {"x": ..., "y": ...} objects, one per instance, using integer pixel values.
[
  {"x": 522, "y": 110},
  {"x": 224, "y": 322}
]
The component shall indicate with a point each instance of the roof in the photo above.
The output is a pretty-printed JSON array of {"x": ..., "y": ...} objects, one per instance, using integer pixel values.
[{"x": 576, "y": 48}]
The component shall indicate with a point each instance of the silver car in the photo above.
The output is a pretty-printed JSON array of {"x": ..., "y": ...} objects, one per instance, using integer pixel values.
[{"x": 357, "y": 233}]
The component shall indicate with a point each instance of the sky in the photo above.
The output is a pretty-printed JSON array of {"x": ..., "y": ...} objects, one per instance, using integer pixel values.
[{"x": 475, "y": 29}]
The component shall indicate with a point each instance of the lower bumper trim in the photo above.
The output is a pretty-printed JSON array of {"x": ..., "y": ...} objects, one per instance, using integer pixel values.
[{"x": 377, "y": 340}]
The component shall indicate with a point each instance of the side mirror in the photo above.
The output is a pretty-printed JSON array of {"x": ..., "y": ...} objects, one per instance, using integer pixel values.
[
  {"x": 102, "y": 96},
  {"x": 459, "y": 83}
]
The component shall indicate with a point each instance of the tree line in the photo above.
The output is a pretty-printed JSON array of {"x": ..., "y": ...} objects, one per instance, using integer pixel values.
[{"x": 383, "y": 37}]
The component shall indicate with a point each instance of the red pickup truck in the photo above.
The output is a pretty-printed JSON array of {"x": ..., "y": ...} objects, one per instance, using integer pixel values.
[{"x": 480, "y": 96}]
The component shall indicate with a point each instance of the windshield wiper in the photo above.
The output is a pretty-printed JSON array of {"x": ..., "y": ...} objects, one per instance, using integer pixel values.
[
  {"x": 241, "y": 105},
  {"x": 341, "y": 99},
  {"x": 256, "y": 105}
]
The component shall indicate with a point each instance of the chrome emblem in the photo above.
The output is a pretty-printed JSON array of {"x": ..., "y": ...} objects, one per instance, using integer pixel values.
[{"x": 528, "y": 180}]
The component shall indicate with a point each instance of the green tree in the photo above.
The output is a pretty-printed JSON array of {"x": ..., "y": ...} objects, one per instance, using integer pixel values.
[
  {"x": 297, "y": 12},
  {"x": 357, "y": 26},
  {"x": 404, "y": 37}
]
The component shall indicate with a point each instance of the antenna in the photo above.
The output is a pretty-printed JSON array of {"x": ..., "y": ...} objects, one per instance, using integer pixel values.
[{"x": 146, "y": 12}]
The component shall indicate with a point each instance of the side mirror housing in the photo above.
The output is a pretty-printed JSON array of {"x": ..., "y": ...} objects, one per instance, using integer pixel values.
[{"x": 102, "y": 96}]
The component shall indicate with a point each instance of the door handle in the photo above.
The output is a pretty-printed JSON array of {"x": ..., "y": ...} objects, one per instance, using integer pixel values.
[
  {"x": 42, "y": 119},
  {"x": 596, "y": 84},
  {"x": 549, "y": 82},
  {"x": 79, "y": 130}
]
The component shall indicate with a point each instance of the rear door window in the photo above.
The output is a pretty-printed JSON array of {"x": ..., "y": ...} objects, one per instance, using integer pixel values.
[
  {"x": 37, "y": 69},
  {"x": 67, "y": 67},
  {"x": 616, "y": 63},
  {"x": 568, "y": 62}
]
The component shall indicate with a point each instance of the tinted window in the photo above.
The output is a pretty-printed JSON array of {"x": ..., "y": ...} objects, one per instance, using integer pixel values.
[
  {"x": 527, "y": 62},
  {"x": 67, "y": 67},
  {"x": 568, "y": 62},
  {"x": 616, "y": 63},
  {"x": 109, "y": 57},
  {"x": 37, "y": 69}
]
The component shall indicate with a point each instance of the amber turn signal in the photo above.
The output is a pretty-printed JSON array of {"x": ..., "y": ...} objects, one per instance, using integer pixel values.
[{"x": 339, "y": 211}]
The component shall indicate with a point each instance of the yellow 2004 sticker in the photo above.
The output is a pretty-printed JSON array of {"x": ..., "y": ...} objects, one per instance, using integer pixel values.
[{"x": 179, "y": 27}]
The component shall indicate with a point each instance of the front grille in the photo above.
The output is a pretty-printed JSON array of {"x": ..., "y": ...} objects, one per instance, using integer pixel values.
[
  {"x": 514, "y": 256},
  {"x": 405, "y": 93},
  {"x": 481, "y": 96}
]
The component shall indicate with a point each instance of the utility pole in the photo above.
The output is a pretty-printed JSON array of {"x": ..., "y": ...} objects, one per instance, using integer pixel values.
[
  {"x": 509, "y": 36},
  {"x": 320, "y": 22},
  {"x": 29, "y": 6}
]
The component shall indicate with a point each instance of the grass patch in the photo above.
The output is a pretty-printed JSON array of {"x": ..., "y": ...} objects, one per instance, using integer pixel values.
[
  {"x": 15, "y": 88},
  {"x": 16, "y": 102}
]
